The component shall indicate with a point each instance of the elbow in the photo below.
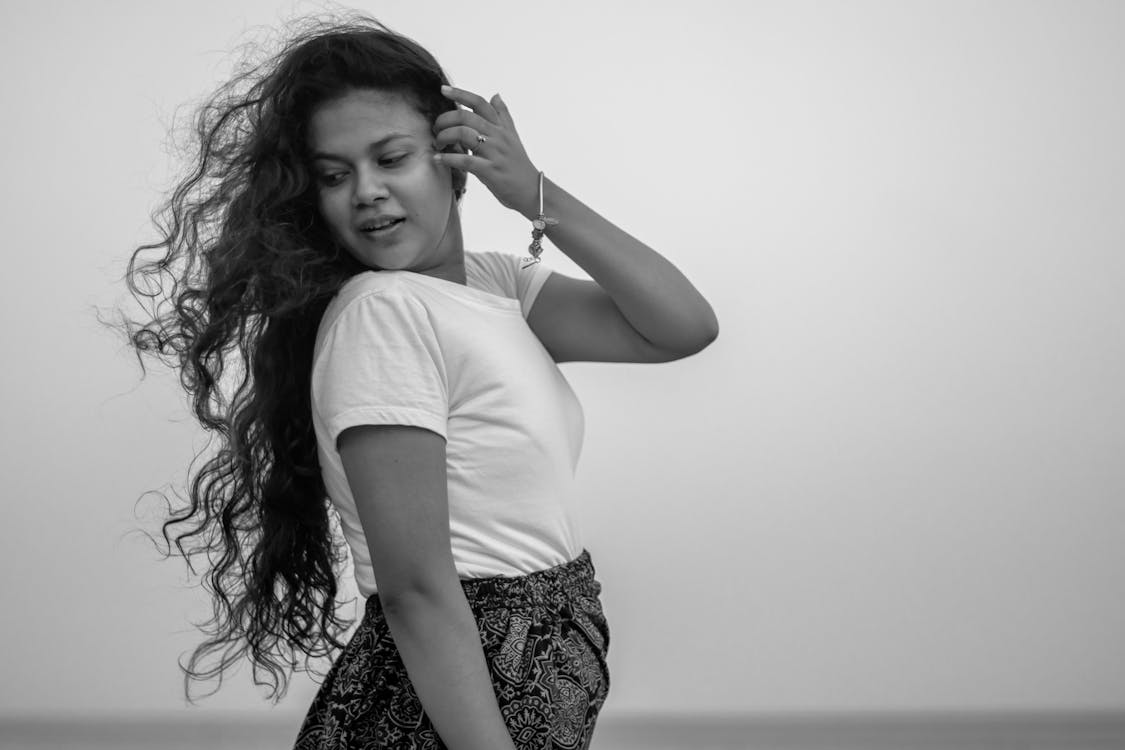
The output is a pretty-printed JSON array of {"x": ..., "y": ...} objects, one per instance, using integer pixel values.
[
  {"x": 705, "y": 334},
  {"x": 424, "y": 593},
  {"x": 712, "y": 333},
  {"x": 707, "y": 338},
  {"x": 710, "y": 330},
  {"x": 699, "y": 342},
  {"x": 712, "y": 325}
]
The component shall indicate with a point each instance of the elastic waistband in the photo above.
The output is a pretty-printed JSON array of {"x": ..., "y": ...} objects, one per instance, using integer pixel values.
[
  {"x": 556, "y": 586},
  {"x": 553, "y": 586}
]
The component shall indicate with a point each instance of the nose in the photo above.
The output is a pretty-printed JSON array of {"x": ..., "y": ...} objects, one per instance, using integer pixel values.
[{"x": 369, "y": 186}]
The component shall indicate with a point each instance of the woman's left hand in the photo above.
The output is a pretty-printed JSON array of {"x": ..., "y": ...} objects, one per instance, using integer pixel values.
[{"x": 498, "y": 158}]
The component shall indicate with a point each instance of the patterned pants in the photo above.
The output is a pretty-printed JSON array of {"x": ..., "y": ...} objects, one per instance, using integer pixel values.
[{"x": 545, "y": 641}]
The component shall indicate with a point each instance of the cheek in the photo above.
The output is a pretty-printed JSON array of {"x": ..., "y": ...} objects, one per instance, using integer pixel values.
[
  {"x": 333, "y": 209},
  {"x": 438, "y": 195}
]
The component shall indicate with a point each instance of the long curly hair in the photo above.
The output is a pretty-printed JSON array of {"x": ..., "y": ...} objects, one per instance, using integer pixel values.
[{"x": 247, "y": 270}]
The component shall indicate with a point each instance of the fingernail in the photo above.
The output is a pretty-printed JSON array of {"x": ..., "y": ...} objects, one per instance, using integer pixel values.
[{"x": 446, "y": 89}]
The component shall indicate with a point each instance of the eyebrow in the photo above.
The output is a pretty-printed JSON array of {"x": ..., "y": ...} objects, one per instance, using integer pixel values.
[{"x": 382, "y": 141}]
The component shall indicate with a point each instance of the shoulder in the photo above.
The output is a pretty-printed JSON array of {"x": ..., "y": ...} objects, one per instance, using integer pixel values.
[
  {"x": 492, "y": 271},
  {"x": 368, "y": 282},
  {"x": 377, "y": 320},
  {"x": 487, "y": 259},
  {"x": 371, "y": 290}
]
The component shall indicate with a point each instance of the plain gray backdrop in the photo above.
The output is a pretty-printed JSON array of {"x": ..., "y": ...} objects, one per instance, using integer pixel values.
[{"x": 893, "y": 482}]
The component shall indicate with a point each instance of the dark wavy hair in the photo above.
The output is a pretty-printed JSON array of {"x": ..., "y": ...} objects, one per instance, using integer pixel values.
[{"x": 248, "y": 268}]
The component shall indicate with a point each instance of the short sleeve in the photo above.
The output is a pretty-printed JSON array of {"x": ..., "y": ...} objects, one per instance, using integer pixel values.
[
  {"x": 380, "y": 363},
  {"x": 504, "y": 274},
  {"x": 528, "y": 282}
]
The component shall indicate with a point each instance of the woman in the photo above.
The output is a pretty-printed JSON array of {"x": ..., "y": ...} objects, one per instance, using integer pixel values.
[{"x": 395, "y": 384}]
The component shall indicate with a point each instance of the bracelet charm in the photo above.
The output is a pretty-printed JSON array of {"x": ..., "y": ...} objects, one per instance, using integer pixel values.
[{"x": 538, "y": 228}]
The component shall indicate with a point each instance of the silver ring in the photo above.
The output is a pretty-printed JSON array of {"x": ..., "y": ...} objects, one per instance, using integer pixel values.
[{"x": 481, "y": 138}]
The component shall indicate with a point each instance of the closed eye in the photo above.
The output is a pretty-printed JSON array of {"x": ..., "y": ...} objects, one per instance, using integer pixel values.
[{"x": 390, "y": 161}]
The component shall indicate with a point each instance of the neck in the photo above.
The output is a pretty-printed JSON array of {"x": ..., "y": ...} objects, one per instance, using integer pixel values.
[{"x": 452, "y": 249}]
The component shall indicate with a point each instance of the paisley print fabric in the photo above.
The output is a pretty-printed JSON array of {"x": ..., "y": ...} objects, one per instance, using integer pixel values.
[{"x": 545, "y": 640}]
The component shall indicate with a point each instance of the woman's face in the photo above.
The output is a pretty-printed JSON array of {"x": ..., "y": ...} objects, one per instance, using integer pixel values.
[{"x": 380, "y": 191}]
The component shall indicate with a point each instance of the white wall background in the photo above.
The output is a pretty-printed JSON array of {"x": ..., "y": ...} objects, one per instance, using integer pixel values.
[{"x": 894, "y": 482}]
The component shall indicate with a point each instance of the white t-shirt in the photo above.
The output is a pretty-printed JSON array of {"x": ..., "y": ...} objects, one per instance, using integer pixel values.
[{"x": 399, "y": 347}]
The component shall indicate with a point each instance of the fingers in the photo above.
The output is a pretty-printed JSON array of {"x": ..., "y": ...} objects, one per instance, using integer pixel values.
[
  {"x": 466, "y": 162},
  {"x": 476, "y": 103},
  {"x": 492, "y": 112},
  {"x": 502, "y": 110},
  {"x": 489, "y": 119},
  {"x": 486, "y": 128},
  {"x": 464, "y": 117},
  {"x": 460, "y": 134}
]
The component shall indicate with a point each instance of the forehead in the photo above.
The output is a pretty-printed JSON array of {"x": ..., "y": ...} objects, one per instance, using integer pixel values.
[{"x": 361, "y": 117}]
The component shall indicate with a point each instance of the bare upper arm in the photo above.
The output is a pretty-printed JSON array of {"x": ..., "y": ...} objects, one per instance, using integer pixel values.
[
  {"x": 397, "y": 476},
  {"x": 576, "y": 320}
]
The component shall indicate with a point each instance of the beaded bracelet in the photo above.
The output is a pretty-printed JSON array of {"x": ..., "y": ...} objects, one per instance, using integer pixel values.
[{"x": 538, "y": 227}]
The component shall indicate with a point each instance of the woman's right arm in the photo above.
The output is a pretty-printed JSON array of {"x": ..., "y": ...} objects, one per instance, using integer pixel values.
[{"x": 397, "y": 475}]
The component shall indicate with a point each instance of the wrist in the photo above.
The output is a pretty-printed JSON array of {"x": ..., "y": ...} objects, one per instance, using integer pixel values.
[{"x": 529, "y": 206}]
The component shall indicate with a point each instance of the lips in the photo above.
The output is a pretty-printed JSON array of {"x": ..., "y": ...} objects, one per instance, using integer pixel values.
[{"x": 379, "y": 223}]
